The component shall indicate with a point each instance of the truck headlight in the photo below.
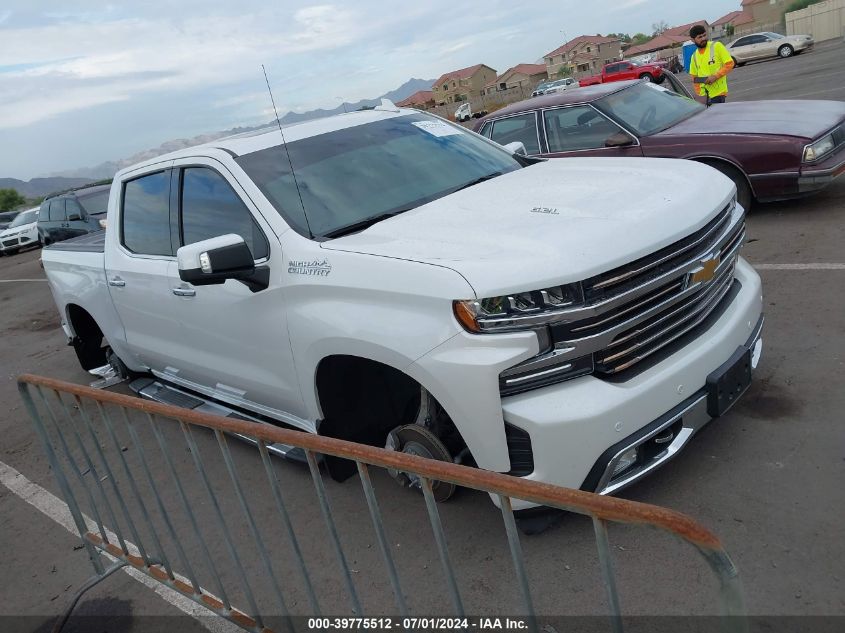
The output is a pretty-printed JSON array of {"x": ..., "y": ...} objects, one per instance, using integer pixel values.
[
  {"x": 517, "y": 311},
  {"x": 816, "y": 150}
]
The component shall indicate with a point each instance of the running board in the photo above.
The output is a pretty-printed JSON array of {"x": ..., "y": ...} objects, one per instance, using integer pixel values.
[{"x": 152, "y": 389}]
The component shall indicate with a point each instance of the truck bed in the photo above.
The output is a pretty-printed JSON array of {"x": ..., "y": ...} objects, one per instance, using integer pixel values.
[{"x": 90, "y": 243}]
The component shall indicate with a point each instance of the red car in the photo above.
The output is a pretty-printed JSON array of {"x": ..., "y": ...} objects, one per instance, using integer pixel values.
[
  {"x": 772, "y": 150},
  {"x": 622, "y": 71}
]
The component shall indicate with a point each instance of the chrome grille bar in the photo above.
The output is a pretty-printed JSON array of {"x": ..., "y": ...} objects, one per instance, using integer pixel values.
[{"x": 714, "y": 227}]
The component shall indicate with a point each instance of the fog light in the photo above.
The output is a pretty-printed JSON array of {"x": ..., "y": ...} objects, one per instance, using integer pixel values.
[{"x": 624, "y": 462}]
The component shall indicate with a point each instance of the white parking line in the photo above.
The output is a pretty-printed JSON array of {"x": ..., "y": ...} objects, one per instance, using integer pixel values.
[
  {"x": 799, "y": 266},
  {"x": 56, "y": 509},
  {"x": 13, "y": 281}
]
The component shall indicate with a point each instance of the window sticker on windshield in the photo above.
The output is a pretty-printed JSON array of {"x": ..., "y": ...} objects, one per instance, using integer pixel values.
[
  {"x": 437, "y": 128},
  {"x": 658, "y": 88}
]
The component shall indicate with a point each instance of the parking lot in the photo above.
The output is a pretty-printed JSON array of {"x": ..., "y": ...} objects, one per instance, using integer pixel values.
[{"x": 767, "y": 478}]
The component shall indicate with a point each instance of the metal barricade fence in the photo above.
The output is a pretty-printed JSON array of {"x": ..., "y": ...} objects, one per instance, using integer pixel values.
[{"x": 133, "y": 475}]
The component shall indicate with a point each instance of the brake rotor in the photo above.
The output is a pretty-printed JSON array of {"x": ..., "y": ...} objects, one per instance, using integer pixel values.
[{"x": 414, "y": 439}]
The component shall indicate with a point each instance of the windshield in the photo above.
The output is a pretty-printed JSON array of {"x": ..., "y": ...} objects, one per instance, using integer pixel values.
[
  {"x": 368, "y": 171},
  {"x": 647, "y": 108},
  {"x": 27, "y": 217}
]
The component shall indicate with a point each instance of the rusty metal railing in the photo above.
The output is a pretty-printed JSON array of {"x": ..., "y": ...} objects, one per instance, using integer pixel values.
[{"x": 133, "y": 475}]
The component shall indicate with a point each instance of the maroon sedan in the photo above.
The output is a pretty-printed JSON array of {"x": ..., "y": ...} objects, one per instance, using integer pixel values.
[{"x": 772, "y": 150}]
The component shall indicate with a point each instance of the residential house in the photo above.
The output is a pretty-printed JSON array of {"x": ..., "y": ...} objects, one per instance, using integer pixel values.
[
  {"x": 582, "y": 56},
  {"x": 767, "y": 14},
  {"x": 463, "y": 84},
  {"x": 525, "y": 76},
  {"x": 668, "y": 43},
  {"x": 725, "y": 27},
  {"x": 422, "y": 100}
]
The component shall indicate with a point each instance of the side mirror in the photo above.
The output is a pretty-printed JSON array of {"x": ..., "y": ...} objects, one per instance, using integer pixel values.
[
  {"x": 517, "y": 147},
  {"x": 620, "y": 139},
  {"x": 217, "y": 259}
]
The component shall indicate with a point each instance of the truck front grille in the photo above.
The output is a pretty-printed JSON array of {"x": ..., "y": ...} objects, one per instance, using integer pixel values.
[{"x": 634, "y": 311}]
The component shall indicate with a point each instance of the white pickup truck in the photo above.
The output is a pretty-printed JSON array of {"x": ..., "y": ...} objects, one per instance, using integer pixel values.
[{"x": 388, "y": 277}]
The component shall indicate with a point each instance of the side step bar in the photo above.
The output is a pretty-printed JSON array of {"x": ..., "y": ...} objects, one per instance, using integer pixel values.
[{"x": 152, "y": 389}]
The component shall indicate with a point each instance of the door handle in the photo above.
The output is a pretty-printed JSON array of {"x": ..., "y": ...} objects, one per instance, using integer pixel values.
[
  {"x": 117, "y": 282},
  {"x": 184, "y": 292}
]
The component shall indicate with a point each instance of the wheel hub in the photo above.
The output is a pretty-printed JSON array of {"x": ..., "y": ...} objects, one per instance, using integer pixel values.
[{"x": 413, "y": 439}]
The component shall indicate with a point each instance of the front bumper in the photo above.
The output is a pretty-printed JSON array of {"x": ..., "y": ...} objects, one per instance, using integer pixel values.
[
  {"x": 579, "y": 426},
  {"x": 13, "y": 243}
]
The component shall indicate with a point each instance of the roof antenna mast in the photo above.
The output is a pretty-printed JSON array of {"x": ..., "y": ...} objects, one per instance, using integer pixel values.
[{"x": 287, "y": 152}]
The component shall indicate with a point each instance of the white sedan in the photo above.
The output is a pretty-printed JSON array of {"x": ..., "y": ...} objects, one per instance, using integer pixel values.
[
  {"x": 762, "y": 45},
  {"x": 22, "y": 232}
]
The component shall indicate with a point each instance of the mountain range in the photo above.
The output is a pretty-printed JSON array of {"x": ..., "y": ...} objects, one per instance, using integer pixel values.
[{"x": 76, "y": 177}]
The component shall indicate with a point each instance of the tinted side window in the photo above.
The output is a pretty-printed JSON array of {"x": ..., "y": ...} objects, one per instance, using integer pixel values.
[
  {"x": 521, "y": 128},
  {"x": 579, "y": 127},
  {"x": 73, "y": 210},
  {"x": 96, "y": 202},
  {"x": 44, "y": 212},
  {"x": 57, "y": 210},
  {"x": 742, "y": 42},
  {"x": 210, "y": 207},
  {"x": 485, "y": 129},
  {"x": 146, "y": 215}
]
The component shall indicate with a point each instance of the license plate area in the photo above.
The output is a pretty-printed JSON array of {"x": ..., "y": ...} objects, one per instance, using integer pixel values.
[{"x": 728, "y": 383}]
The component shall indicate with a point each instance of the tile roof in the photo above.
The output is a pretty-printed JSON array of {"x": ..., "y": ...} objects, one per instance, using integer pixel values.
[
  {"x": 684, "y": 28},
  {"x": 420, "y": 96},
  {"x": 657, "y": 43},
  {"x": 727, "y": 19},
  {"x": 463, "y": 73},
  {"x": 525, "y": 69},
  {"x": 593, "y": 39}
]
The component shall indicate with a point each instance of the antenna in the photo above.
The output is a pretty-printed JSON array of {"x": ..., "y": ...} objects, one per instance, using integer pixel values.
[{"x": 287, "y": 152}]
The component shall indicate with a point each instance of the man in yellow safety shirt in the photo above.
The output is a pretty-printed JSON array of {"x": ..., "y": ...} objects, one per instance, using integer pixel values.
[{"x": 709, "y": 66}]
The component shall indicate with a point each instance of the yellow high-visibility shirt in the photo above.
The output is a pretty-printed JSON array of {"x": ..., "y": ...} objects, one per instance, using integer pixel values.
[{"x": 702, "y": 66}]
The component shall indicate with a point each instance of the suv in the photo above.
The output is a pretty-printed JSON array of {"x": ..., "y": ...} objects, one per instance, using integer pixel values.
[{"x": 73, "y": 213}]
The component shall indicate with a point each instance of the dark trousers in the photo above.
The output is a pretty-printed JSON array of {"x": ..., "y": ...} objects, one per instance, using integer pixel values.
[{"x": 719, "y": 99}]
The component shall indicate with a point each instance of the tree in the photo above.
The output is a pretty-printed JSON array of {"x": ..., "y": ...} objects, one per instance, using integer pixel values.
[
  {"x": 563, "y": 71},
  {"x": 800, "y": 4},
  {"x": 640, "y": 38},
  {"x": 624, "y": 37},
  {"x": 10, "y": 198},
  {"x": 659, "y": 28}
]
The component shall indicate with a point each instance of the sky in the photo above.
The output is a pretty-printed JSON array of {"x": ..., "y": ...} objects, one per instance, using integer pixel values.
[{"x": 84, "y": 81}]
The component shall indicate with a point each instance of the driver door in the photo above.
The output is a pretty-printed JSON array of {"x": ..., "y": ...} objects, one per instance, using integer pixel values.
[
  {"x": 581, "y": 130},
  {"x": 231, "y": 342}
]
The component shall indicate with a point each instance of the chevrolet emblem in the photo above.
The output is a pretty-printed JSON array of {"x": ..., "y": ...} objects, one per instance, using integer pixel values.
[{"x": 706, "y": 272}]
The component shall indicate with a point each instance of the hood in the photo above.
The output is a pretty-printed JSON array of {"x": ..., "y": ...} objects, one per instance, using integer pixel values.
[
  {"x": 558, "y": 221},
  {"x": 23, "y": 228},
  {"x": 807, "y": 119}
]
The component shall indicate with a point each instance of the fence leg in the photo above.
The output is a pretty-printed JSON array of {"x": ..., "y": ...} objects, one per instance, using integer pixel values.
[
  {"x": 600, "y": 528},
  {"x": 91, "y": 582}
]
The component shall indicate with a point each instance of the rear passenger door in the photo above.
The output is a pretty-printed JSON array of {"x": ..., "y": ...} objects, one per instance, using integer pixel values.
[
  {"x": 137, "y": 263},
  {"x": 518, "y": 127}
]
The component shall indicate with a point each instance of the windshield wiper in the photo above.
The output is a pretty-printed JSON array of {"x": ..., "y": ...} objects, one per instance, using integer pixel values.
[
  {"x": 364, "y": 224},
  {"x": 479, "y": 180}
]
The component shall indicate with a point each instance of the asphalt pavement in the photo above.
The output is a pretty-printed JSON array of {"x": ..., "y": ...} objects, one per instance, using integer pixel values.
[{"x": 767, "y": 478}]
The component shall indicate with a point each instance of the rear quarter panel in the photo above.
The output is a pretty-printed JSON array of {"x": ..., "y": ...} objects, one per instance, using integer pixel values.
[{"x": 78, "y": 278}]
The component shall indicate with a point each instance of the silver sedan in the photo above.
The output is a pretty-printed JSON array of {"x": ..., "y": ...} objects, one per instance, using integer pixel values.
[{"x": 762, "y": 45}]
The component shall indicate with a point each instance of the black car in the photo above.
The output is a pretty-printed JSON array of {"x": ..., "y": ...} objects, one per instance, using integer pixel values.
[
  {"x": 73, "y": 213},
  {"x": 6, "y": 217}
]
